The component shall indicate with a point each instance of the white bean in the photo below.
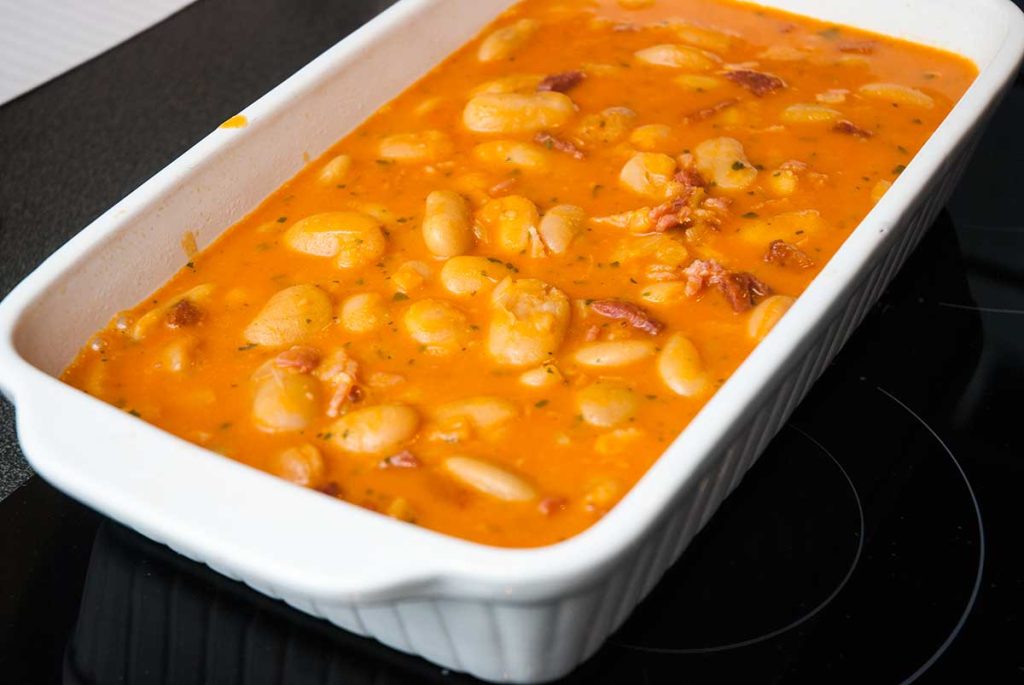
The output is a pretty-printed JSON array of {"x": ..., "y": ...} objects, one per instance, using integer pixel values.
[
  {"x": 507, "y": 155},
  {"x": 416, "y": 148},
  {"x": 677, "y": 57},
  {"x": 363, "y": 312},
  {"x": 447, "y": 227},
  {"x": 467, "y": 275},
  {"x": 723, "y": 161},
  {"x": 290, "y": 316},
  {"x": 378, "y": 429},
  {"x": 611, "y": 353},
  {"x": 355, "y": 239},
  {"x": 606, "y": 403},
  {"x": 489, "y": 479},
  {"x": 302, "y": 465},
  {"x": 528, "y": 322},
  {"x": 335, "y": 171},
  {"x": 484, "y": 413},
  {"x": 650, "y": 174},
  {"x": 810, "y": 114},
  {"x": 900, "y": 94},
  {"x": 680, "y": 366},
  {"x": 766, "y": 314},
  {"x": 517, "y": 112},
  {"x": 439, "y": 326},
  {"x": 510, "y": 222},
  {"x": 560, "y": 225},
  {"x": 506, "y": 41},
  {"x": 284, "y": 401}
]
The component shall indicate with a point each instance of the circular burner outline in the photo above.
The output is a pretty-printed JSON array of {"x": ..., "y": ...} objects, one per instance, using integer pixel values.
[
  {"x": 806, "y": 617},
  {"x": 981, "y": 545}
]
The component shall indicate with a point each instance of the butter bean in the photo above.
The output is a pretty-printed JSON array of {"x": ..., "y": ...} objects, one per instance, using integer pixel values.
[
  {"x": 766, "y": 314},
  {"x": 484, "y": 413},
  {"x": 355, "y": 239},
  {"x": 650, "y": 174},
  {"x": 560, "y": 225},
  {"x": 363, "y": 312},
  {"x": 467, "y": 275},
  {"x": 514, "y": 83},
  {"x": 517, "y": 112},
  {"x": 610, "y": 125},
  {"x": 613, "y": 353},
  {"x": 528, "y": 322},
  {"x": 606, "y": 403},
  {"x": 447, "y": 227},
  {"x": 375, "y": 430},
  {"x": 489, "y": 479},
  {"x": 506, "y": 41},
  {"x": 507, "y": 155},
  {"x": 335, "y": 171},
  {"x": 284, "y": 401},
  {"x": 416, "y": 148},
  {"x": 437, "y": 325},
  {"x": 290, "y": 316},
  {"x": 680, "y": 366},
  {"x": 894, "y": 92},
  {"x": 723, "y": 161},
  {"x": 510, "y": 222},
  {"x": 302, "y": 465},
  {"x": 810, "y": 114},
  {"x": 651, "y": 137},
  {"x": 677, "y": 57}
]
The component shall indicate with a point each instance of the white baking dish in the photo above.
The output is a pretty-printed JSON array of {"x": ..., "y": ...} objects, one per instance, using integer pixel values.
[{"x": 501, "y": 614}]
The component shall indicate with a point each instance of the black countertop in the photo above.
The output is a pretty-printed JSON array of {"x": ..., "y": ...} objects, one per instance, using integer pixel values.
[{"x": 876, "y": 541}]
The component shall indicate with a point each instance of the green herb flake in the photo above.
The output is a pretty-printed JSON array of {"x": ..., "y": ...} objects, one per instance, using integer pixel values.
[
  {"x": 899, "y": 169},
  {"x": 282, "y": 219},
  {"x": 750, "y": 215},
  {"x": 135, "y": 413},
  {"x": 399, "y": 296},
  {"x": 829, "y": 33},
  {"x": 540, "y": 404},
  {"x": 249, "y": 346},
  {"x": 738, "y": 165}
]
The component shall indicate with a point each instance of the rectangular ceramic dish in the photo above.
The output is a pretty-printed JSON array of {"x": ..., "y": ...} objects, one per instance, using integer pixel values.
[{"x": 525, "y": 615}]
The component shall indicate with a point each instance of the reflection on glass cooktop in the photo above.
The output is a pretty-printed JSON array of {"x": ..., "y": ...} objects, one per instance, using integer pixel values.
[{"x": 876, "y": 540}]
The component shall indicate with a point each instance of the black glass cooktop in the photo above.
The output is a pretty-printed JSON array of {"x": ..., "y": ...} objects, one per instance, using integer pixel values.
[{"x": 877, "y": 540}]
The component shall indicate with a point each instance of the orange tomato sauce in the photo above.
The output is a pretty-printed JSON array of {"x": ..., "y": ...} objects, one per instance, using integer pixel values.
[{"x": 705, "y": 159}]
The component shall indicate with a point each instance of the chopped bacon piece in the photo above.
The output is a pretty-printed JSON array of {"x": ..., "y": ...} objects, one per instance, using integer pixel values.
[
  {"x": 784, "y": 254},
  {"x": 331, "y": 488},
  {"x": 718, "y": 204},
  {"x": 702, "y": 273},
  {"x": 850, "y": 128},
  {"x": 757, "y": 82},
  {"x": 690, "y": 178},
  {"x": 552, "y": 143},
  {"x": 551, "y": 505},
  {"x": 633, "y": 314},
  {"x": 668, "y": 214},
  {"x": 356, "y": 394},
  {"x": 403, "y": 460},
  {"x": 702, "y": 114},
  {"x": 338, "y": 370},
  {"x": 860, "y": 47},
  {"x": 562, "y": 82},
  {"x": 742, "y": 290},
  {"x": 183, "y": 313},
  {"x": 301, "y": 358}
]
